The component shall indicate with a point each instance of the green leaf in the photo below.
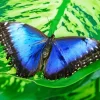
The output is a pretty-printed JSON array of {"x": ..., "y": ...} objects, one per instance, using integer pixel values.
[{"x": 64, "y": 82}]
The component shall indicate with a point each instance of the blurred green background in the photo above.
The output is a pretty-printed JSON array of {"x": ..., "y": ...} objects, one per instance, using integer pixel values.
[{"x": 62, "y": 18}]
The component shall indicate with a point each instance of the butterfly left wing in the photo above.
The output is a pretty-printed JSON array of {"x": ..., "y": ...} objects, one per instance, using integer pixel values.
[
  {"x": 70, "y": 54},
  {"x": 24, "y": 44}
]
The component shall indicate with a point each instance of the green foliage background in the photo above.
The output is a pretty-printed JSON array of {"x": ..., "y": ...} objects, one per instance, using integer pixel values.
[{"x": 62, "y": 18}]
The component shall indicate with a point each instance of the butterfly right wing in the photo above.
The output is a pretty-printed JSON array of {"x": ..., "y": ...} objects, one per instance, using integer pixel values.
[{"x": 24, "y": 44}]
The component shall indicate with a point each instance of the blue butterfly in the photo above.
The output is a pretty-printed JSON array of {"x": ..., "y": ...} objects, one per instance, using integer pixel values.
[{"x": 32, "y": 51}]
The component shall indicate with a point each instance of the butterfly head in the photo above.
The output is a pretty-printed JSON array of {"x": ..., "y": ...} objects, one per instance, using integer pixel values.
[
  {"x": 51, "y": 39},
  {"x": 53, "y": 36}
]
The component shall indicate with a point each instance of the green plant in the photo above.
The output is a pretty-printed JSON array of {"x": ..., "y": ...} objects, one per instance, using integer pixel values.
[{"x": 62, "y": 18}]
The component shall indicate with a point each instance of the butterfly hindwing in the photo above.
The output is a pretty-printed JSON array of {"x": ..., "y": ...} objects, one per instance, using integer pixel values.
[
  {"x": 69, "y": 54},
  {"x": 24, "y": 44}
]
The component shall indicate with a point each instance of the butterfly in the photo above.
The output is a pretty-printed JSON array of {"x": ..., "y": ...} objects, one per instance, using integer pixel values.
[{"x": 32, "y": 51}]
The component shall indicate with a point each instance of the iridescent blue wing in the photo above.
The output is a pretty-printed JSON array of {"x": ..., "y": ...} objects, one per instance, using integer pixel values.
[
  {"x": 24, "y": 44},
  {"x": 69, "y": 54}
]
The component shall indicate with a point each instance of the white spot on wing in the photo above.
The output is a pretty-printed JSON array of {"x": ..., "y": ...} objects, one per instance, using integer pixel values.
[
  {"x": 78, "y": 65},
  {"x": 90, "y": 59},
  {"x": 96, "y": 47},
  {"x": 83, "y": 62},
  {"x": 9, "y": 30},
  {"x": 86, "y": 51},
  {"x": 4, "y": 44},
  {"x": 5, "y": 23},
  {"x": 92, "y": 49},
  {"x": 96, "y": 56},
  {"x": 2, "y": 39}
]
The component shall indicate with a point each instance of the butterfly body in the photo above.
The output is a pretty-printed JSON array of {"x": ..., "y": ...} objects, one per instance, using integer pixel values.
[
  {"x": 32, "y": 51},
  {"x": 47, "y": 48}
]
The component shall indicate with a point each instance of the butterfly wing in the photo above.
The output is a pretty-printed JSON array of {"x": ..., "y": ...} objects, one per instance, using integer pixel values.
[
  {"x": 24, "y": 44},
  {"x": 69, "y": 54}
]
